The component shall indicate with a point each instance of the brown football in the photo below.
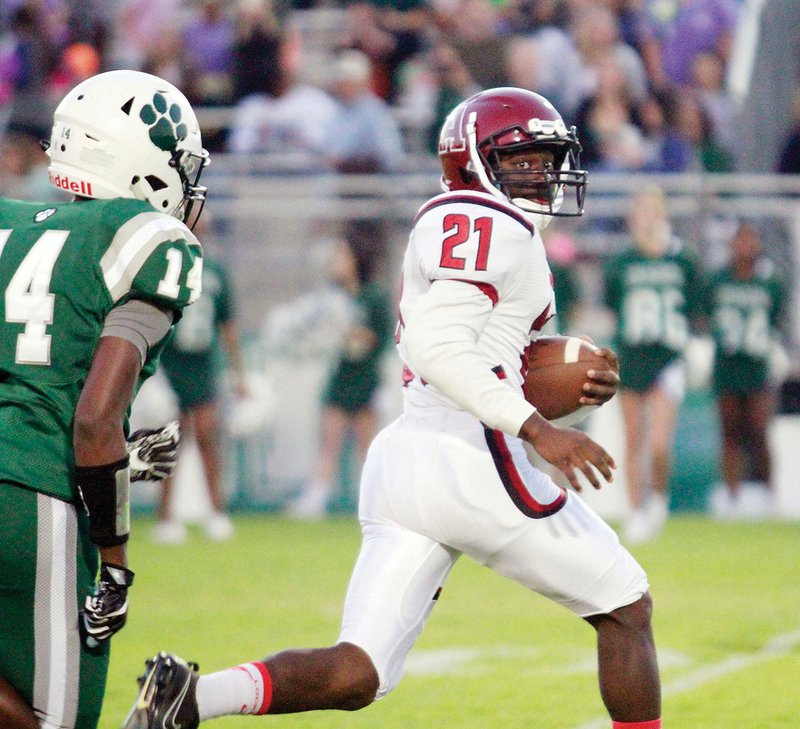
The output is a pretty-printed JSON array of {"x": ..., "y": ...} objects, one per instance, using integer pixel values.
[{"x": 557, "y": 367}]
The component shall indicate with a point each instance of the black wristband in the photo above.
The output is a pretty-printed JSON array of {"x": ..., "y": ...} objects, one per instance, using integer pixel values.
[{"x": 105, "y": 492}]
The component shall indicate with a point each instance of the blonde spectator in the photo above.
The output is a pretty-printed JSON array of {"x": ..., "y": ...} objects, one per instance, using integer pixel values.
[
  {"x": 558, "y": 65},
  {"x": 165, "y": 57},
  {"x": 651, "y": 287},
  {"x": 523, "y": 63}
]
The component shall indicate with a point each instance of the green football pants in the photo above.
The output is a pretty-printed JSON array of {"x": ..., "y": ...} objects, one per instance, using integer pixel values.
[{"x": 47, "y": 567}]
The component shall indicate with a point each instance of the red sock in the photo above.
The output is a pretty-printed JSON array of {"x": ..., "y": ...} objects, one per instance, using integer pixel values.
[
  {"x": 266, "y": 699},
  {"x": 653, "y": 724}
]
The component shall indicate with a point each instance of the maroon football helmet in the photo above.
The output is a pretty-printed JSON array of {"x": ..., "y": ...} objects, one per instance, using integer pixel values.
[{"x": 502, "y": 122}]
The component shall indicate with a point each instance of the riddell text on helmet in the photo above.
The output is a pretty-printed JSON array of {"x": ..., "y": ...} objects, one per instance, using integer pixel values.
[{"x": 79, "y": 187}]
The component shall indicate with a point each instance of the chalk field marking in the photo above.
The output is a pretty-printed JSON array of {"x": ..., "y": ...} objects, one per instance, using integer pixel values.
[
  {"x": 469, "y": 661},
  {"x": 461, "y": 661},
  {"x": 778, "y": 646}
]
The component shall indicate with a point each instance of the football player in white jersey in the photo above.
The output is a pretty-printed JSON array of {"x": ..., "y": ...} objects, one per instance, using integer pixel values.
[{"x": 450, "y": 476}]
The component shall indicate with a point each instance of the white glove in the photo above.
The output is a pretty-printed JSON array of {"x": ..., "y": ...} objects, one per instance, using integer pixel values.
[
  {"x": 154, "y": 452},
  {"x": 105, "y": 611}
]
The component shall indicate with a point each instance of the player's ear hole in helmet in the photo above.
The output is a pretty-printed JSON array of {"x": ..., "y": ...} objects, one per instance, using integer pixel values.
[
  {"x": 129, "y": 134},
  {"x": 513, "y": 144}
]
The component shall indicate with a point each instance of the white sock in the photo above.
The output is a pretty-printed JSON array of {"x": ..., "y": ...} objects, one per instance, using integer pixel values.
[{"x": 244, "y": 689}]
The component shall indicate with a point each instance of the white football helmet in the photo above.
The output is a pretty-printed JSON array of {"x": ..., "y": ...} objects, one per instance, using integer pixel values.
[{"x": 129, "y": 134}]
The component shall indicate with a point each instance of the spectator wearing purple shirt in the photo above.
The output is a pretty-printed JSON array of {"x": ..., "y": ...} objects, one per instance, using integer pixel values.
[
  {"x": 692, "y": 27},
  {"x": 208, "y": 42}
]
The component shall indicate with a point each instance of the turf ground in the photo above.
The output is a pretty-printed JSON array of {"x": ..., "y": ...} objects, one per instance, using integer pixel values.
[{"x": 727, "y": 620}]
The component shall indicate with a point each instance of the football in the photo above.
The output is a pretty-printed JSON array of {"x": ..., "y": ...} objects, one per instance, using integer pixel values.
[{"x": 557, "y": 367}]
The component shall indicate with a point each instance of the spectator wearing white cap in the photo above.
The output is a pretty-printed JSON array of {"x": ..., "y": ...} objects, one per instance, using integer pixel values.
[{"x": 363, "y": 136}]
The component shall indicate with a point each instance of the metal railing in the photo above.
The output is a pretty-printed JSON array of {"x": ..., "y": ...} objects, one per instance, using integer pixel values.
[{"x": 274, "y": 212}]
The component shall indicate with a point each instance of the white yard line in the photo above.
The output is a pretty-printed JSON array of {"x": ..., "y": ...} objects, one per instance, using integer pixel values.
[
  {"x": 462, "y": 661},
  {"x": 778, "y": 646}
]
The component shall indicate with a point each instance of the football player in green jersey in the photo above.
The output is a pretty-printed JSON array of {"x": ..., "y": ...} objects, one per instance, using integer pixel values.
[
  {"x": 91, "y": 288},
  {"x": 191, "y": 364},
  {"x": 349, "y": 410},
  {"x": 652, "y": 287},
  {"x": 745, "y": 303}
]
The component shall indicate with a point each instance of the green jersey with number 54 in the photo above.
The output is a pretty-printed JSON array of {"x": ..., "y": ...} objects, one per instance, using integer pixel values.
[
  {"x": 63, "y": 268},
  {"x": 745, "y": 314}
]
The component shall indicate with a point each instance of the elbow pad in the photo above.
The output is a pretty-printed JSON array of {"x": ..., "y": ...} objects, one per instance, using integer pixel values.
[{"x": 105, "y": 491}]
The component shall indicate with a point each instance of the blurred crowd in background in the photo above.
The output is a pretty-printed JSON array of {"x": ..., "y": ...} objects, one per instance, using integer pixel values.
[{"x": 643, "y": 80}]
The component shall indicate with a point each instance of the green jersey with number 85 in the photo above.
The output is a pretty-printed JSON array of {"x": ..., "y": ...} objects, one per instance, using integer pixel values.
[
  {"x": 652, "y": 298},
  {"x": 63, "y": 268}
]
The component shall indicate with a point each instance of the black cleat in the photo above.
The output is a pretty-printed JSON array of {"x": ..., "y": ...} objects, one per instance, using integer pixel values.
[{"x": 166, "y": 697}]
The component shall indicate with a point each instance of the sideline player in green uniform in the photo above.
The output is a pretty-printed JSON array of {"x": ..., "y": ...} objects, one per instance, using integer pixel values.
[
  {"x": 91, "y": 290},
  {"x": 190, "y": 362},
  {"x": 652, "y": 287},
  {"x": 348, "y": 397},
  {"x": 745, "y": 303}
]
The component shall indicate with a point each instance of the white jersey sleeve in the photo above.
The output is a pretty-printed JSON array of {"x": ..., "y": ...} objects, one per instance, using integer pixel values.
[
  {"x": 441, "y": 338},
  {"x": 475, "y": 282}
]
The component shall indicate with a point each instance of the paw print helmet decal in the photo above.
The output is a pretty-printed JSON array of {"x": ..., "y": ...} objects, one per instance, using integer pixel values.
[{"x": 129, "y": 134}]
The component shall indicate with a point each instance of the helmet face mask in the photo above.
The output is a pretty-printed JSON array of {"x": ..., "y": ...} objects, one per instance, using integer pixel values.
[
  {"x": 490, "y": 128},
  {"x": 129, "y": 134},
  {"x": 190, "y": 166}
]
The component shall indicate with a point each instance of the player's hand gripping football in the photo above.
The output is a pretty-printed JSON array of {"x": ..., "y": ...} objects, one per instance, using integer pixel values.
[
  {"x": 602, "y": 384},
  {"x": 568, "y": 450},
  {"x": 154, "y": 452},
  {"x": 105, "y": 611}
]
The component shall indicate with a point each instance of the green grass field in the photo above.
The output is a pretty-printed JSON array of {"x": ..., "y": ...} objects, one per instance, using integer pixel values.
[{"x": 727, "y": 619}]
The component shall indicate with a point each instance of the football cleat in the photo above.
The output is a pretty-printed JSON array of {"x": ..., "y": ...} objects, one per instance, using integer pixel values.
[{"x": 166, "y": 697}]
